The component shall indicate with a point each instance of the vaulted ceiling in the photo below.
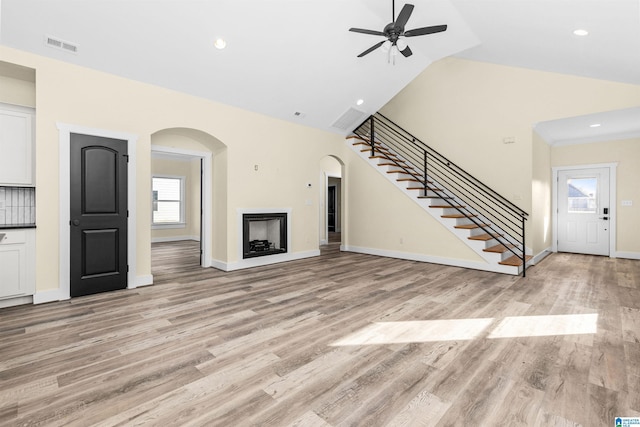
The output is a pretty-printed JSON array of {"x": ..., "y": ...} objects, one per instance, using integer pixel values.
[{"x": 296, "y": 60}]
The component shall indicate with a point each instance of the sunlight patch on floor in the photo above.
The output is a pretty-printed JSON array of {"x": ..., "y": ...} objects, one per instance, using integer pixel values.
[
  {"x": 418, "y": 331},
  {"x": 543, "y": 326}
]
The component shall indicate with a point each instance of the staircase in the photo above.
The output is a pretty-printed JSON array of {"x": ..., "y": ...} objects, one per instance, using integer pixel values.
[{"x": 485, "y": 221}]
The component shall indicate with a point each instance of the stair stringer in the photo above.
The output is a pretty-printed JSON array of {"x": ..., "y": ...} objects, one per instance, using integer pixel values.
[{"x": 491, "y": 259}]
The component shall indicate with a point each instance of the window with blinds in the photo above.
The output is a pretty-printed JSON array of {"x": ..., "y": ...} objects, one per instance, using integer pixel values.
[{"x": 168, "y": 200}]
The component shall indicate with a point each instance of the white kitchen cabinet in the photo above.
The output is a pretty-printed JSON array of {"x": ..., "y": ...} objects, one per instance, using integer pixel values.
[
  {"x": 16, "y": 145},
  {"x": 17, "y": 263}
]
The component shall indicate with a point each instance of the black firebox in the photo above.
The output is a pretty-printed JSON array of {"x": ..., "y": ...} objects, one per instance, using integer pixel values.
[{"x": 264, "y": 234}]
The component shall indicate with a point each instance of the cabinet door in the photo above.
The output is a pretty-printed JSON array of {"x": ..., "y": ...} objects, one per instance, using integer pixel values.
[
  {"x": 16, "y": 147},
  {"x": 13, "y": 272}
]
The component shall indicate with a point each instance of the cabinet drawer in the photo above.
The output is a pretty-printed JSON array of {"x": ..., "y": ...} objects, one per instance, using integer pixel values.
[{"x": 10, "y": 237}]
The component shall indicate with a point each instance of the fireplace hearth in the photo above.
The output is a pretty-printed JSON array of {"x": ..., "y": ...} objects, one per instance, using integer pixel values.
[{"x": 264, "y": 234}]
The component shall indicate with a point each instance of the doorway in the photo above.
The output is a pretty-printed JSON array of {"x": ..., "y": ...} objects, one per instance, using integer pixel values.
[
  {"x": 195, "y": 167},
  {"x": 584, "y": 201},
  {"x": 99, "y": 209},
  {"x": 332, "y": 197},
  {"x": 331, "y": 208}
]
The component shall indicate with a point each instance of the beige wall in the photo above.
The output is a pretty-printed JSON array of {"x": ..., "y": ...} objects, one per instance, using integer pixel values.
[
  {"x": 465, "y": 109},
  {"x": 17, "y": 92},
  {"x": 189, "y": 170},
  {"x": 288, "y": 154},
  {"x": 540, "y": 215},
  {"x": 626, "y": 153},
  {"x": 381, "y": 217}
]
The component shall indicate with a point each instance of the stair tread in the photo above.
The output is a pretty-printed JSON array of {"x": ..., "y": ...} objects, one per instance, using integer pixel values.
[
  {"x": 400, "y": 171},
  {"x": 399, "y": 164},
  {"x": 514, "y": 261},
  {"x": 447, "y": 206},
  {"x": 413, "y": 180},
  {"x": 422, "y": 188},
  {"x": 364, "y": 142},
  {"x": 470, "y": 226},
  {"x": 459, "y": 215},
  {"x": 484, "y": 237},
  {"x": 380, "y": 156},
  {"x": 498, "y": 248},
  {"x": 377, "y": 149}
]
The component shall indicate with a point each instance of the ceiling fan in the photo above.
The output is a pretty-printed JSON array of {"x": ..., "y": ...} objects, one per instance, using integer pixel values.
[{"x": 395, "y": 31}]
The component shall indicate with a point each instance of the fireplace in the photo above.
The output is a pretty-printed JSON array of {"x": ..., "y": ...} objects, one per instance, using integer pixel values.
[{"x": 264, "y": 234}]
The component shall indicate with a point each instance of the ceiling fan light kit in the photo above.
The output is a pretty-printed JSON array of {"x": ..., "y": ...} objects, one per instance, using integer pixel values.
[{"x": 395, "y": 33}]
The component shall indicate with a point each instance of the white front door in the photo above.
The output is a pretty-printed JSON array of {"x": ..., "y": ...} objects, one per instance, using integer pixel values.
[{"x": 584, "y": 212}]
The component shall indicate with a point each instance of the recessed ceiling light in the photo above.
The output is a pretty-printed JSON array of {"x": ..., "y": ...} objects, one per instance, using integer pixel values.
[
  {"x": 360, "y": 102},
  {"x": 220, "y": 43},
  {"x": 581, "y": 32},
  {"x": 595, "y": 125}
]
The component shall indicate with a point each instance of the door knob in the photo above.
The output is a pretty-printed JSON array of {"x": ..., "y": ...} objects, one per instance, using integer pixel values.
[
  {"x": 76, "y": 222},
  {"x": 606, "y": 218}
]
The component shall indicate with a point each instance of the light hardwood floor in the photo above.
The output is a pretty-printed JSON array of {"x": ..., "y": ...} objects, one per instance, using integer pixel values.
[{"x": 339, "y": 340}]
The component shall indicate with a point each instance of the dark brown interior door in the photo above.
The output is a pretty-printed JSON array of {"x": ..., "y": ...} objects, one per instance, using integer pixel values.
[
  {"x": 98, "y": 214},
  {"x": 331, "y": 208}
]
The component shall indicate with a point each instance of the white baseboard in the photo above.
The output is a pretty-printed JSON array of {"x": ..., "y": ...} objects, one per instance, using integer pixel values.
[
  {"x": 628, "y": 255},
  {"x": 263, "y": 260},
  {"x": 145, "y": 280},
  {"x": 11, "y": 302},
  {"x": 324, "y": 242},
  {"x": 497, "y": 268},
  {"x": 174, "y": 239},
  {"x": 50, "y": 295},
  {"x": 542, "y": 255}
]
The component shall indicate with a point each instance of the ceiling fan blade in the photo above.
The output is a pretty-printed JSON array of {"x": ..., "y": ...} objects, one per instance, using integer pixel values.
[
  {"x": 363, "y": 31},
  {"x": 425, "y": 30},
  {"x": 371, "y": 49},
  {"x": 404, "y": 16},
  {"x": 406, "y": 52}
]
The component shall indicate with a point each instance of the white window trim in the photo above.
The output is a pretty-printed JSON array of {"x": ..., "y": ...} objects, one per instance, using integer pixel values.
[{"x": 183, "y": 202}]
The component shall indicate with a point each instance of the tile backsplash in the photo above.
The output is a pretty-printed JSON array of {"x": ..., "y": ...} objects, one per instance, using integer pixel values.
[{"x": 17, "y": 205}]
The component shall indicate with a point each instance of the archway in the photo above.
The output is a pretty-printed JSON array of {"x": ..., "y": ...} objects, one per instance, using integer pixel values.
[
  {"x": 332, "y": 207},
  {"x": 207, "y": 155}
]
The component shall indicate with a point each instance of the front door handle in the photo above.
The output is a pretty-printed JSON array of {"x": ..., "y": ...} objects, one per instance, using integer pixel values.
[
  {"x": 76, "y": 222},
  {"x": 606, "y": 218}
]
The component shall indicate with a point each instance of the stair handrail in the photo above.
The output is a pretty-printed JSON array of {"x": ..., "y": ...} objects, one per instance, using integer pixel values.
[{"x": 382, "y": 132}]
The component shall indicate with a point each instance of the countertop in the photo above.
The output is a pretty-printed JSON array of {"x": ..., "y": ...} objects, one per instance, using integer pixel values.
[{"x": 15, "y": 226}]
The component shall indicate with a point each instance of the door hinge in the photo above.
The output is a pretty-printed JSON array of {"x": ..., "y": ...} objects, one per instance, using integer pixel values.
[
  {"x": 126, "y": 156},
  {"x": 127, "y": 213}
]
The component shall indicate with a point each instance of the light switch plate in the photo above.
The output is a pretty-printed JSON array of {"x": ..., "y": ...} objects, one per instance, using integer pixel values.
[{"x": 627, "y": 203}]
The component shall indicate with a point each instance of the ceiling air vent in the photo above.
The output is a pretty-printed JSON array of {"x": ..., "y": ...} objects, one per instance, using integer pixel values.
[
  {"x": 60, "y": 44},
  {"x": 349, "y": 120}
]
